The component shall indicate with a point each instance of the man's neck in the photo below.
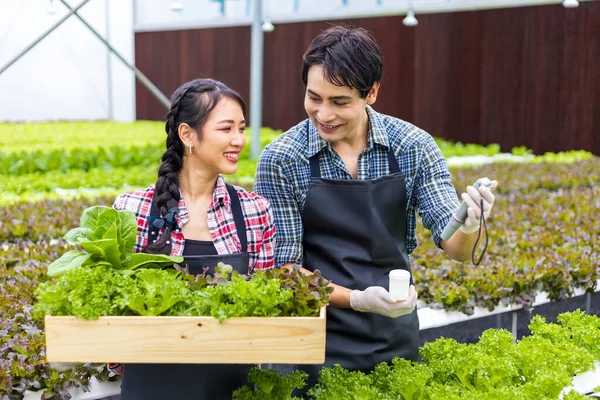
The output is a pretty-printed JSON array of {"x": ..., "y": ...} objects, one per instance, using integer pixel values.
[{"x": 356, "y": 141}]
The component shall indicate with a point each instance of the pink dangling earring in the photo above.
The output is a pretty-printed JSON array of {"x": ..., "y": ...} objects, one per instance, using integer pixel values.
[{"x": 191, "y": 149}]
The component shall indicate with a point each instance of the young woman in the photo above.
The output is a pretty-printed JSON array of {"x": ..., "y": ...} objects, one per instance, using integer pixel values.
[{"x": 192, "y": 212}]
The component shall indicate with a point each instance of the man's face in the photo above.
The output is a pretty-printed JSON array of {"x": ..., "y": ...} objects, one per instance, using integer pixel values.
[{"x": 338, "y": 112}]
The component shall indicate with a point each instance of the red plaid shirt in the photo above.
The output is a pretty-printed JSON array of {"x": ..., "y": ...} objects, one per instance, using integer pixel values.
[{"x": 260, "y": 228}]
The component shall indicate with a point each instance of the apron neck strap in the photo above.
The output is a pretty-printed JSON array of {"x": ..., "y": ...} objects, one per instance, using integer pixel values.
[
  {"x": 236, "y": 208},
  {"x": 238, "y": 217},
  {"x": 393, "y": 162}
]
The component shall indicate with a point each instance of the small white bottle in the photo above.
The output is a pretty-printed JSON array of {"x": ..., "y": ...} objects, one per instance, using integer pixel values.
[{"x": 399, "y": 283}]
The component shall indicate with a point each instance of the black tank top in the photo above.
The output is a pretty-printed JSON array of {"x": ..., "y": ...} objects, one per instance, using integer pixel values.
[{"x": 199, "y": 248}]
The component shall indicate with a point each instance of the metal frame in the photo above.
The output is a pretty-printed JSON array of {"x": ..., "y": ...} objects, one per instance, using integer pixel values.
[{"x": 74, "y": 11}]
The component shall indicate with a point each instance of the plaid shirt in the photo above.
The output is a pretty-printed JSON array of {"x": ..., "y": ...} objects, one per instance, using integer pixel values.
[
  {"x": 260, "y": 229},
  {"x": 283, "y": 173}
]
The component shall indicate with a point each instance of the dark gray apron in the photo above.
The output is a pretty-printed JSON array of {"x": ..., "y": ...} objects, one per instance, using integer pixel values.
[
  {"x": 354, "y": 232},
  {"x": 191, "y": 381}
]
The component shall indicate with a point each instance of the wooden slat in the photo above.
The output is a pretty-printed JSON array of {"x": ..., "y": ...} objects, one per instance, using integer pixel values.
[{"x": 253, "y": 340}]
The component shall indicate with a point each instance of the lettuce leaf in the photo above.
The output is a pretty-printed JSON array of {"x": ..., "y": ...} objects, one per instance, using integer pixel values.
[
  {"x": 127, "y": 235},
  {"x": 70, "y": 260},
  {"x": 104, "y": 249},
  {"x": 78, "y": 235},
  {"x": 152, "y": 260}
]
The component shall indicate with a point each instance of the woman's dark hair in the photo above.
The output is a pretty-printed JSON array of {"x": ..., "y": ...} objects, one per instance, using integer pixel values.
[
  {"x": 349, "y": 57},
  {"x": 191, "y": 104}
]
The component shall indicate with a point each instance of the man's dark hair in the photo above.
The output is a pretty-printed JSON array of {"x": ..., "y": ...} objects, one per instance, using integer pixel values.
[{"x": 349, "y": 57}]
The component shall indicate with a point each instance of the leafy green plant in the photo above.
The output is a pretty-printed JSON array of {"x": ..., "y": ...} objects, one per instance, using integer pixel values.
[
  {"x": 538, "y": 367},
  {"x": 270, "y": 385},
  {"x": 89, "y": 293},
  {"x": 108, "y": 237}
]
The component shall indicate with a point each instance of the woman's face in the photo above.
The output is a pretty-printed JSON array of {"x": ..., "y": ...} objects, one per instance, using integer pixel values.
[{"x": 222, "y": 139}]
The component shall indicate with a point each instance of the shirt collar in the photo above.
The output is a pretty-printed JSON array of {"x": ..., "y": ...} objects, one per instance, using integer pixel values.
[
  {"x": 315, "y": 142},
  {"x": 221, "y": 195},
  {"x": 376, "y": 134},
  {"x": 377, "y": 130}
]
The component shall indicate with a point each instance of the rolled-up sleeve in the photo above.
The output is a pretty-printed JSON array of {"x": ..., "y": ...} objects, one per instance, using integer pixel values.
[
  {"x": 436, "y": 196},
  {"x": 271, "y": 182}
]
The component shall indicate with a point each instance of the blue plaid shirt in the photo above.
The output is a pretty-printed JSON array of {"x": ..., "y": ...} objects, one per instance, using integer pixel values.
[{"x": 283, "y": 173}]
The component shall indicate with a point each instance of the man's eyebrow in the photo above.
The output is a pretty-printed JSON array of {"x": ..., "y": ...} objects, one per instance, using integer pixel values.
[{"x": 331, "y": 98}]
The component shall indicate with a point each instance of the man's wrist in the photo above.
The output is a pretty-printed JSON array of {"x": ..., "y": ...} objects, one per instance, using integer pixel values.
[
  {"x": 353, "y": 295},
  {"x": 469, "y": 231}
]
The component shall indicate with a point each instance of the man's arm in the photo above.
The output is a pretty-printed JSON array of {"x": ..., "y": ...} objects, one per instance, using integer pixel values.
[
  {"x": 437, "y": 202},
  {"x": 272, "y": 183}
]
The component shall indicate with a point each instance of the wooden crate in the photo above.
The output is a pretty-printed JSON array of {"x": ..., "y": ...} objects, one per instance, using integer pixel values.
[{"x": 199, "y": 340}]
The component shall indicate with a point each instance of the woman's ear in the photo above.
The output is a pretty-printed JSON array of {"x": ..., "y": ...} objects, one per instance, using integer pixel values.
[
  {"x": 372, "y": 95},
  {"x": 186, "y": 134}
]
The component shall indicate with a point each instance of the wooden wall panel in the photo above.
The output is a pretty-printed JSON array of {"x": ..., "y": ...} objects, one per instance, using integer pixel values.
[{"x": 517, "y": 76}]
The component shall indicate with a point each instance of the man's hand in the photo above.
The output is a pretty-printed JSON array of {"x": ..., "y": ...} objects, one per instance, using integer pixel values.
[
  {"x": 378, "y": 300},
  {"x": 473, "y": 199}
]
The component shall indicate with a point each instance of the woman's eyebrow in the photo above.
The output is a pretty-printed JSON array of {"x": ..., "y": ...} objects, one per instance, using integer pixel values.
[{"x": 230, "y": 121}]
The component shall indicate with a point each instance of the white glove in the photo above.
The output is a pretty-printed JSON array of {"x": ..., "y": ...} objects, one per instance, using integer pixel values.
[
  {"x": 63, "y": 366},
  {"x": 377, "y": 300},
  {"x": 472, "y": 199}
]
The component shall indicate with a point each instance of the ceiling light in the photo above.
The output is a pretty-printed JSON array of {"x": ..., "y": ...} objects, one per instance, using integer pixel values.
[{"x": 410, "y": 19}]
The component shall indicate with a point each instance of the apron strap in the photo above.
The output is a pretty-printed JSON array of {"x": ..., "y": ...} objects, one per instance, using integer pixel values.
[
  {"x": 238, "y": 217},
  {"x": 393, "y": 162},
  {"x": 236, "y": 208},
  {"x": 315, "y": 169}
]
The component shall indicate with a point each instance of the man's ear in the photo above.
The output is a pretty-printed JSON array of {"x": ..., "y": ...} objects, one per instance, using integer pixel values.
[
  {"x": 186, "y": 134},
  {"x": 372, "y": 95}
]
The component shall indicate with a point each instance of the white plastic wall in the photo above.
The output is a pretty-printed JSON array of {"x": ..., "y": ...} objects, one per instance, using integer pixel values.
[{"x": 69, "y": 75}]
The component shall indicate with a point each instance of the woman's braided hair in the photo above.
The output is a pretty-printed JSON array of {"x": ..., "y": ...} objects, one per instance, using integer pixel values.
[{"x": 191, "y": 104}]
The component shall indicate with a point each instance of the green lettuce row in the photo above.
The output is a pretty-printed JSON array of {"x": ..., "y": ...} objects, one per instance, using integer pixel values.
[
  {"x": 512, "y": 177},
  {"x": 117, "y": 179},
  {"x": 83, "y": 135},
  {"x": 84, "y": 159},
  {"x": 89, "y": 136},
  {"x": 60, "y": 161},
  {"x": 537, "y": 367},
  {"x": 117, "y": 149},
  {"x": 61, "y": 146}
]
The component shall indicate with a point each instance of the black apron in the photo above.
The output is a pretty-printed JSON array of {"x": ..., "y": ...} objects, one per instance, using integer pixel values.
[
  {"x": 355, "y": 233},
  {"x": 191, "y": 381}
]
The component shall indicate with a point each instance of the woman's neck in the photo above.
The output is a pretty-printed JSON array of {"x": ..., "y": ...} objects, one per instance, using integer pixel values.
[{"x": 196, "y": 184}]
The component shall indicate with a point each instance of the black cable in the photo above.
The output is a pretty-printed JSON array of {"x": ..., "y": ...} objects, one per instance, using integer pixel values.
[{"x": 484, "y": 225}]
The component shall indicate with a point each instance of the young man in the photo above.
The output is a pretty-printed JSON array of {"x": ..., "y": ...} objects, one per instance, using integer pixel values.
[{"x": 344, "y": 186}]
